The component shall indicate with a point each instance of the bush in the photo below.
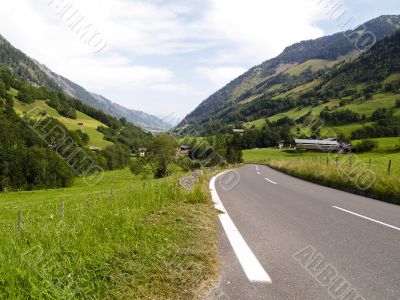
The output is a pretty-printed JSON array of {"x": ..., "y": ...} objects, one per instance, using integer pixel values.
[
  {"x": 138, "y": 166},
  {"x": 366, "y": 146}
]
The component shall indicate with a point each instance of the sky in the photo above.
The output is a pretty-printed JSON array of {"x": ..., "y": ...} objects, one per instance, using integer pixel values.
[{"x": 165, "y": 57}]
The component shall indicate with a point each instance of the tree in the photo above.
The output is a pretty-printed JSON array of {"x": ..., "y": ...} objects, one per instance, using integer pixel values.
[
  {"x": 138, "y": 166},
  {"x": 161, "y": 152},
  {"x": 366, "y": 146}
]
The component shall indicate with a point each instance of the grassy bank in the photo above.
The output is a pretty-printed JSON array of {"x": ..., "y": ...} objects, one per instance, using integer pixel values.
[
  {"x": 348, "y": 175},
  {"x": 353, "y": 176},
  {"x": 125, "y": 238}
]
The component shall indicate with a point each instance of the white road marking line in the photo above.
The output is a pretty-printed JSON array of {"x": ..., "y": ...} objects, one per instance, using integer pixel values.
[
  {"x": 258, "y": 173},
  {"x": 364, "y": 217},
  {"x": 270, "y": 180},
  {"x": 249, "y": 262}
]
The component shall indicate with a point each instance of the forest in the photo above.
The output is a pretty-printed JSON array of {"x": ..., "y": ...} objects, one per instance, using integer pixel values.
[{"x": 33, "y": 155}]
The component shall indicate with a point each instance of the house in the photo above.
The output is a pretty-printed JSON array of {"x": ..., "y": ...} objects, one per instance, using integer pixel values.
[
  {"x": 94, "y": 149},
  {"x": 328, "y": 145},
  {"x": 283, "y": 144},
  {"x": 142, "y": 152},
  {"x": 184, "y": 150},
  {"x": 235, "y": 130}
]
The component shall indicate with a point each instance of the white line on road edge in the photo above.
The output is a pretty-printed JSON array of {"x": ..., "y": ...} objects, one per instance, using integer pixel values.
[
  {"x": 258, "y": 170},
  {"x": 270, "y": 180},
  {"x": 364, "y": 217},
  {"x": 249, "y": 262}
]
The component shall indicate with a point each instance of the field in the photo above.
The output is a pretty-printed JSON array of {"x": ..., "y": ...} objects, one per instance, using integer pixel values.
[
  {"x": 341, "y": 171},
  {"x": 125, "y": 238},
  {"x": 89, "y": 126},
  {"x": 367, "y": 107}
]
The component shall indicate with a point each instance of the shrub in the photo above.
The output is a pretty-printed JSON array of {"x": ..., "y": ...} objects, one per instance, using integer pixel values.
[
  {"x": 366, "y": 146},
  {"x": 138, "y": 166}
]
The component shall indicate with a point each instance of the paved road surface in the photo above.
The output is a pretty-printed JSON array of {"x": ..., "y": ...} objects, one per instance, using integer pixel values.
[{"x": 285, "y": 238}]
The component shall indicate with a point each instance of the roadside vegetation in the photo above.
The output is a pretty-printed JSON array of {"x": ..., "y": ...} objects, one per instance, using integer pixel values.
[
  {"x": 373, "y": 172},
  {"x": 126, "y": 238}
]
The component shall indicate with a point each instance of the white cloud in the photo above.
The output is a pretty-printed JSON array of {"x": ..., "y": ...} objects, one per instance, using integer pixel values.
[
  {"x": 220, "y": 76},
  {"x": 233, "y": 35},
  {"x": 261, "y": 29}
]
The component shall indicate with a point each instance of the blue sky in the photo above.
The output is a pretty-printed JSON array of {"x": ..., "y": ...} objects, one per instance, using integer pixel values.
[{"x": 166, "y": 56}]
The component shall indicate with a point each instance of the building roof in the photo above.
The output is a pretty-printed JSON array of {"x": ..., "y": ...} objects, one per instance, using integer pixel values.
[{"x": 316, "y": 142}]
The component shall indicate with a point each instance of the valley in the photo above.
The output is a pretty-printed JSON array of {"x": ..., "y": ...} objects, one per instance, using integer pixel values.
[{"x": 294, "y": 161}]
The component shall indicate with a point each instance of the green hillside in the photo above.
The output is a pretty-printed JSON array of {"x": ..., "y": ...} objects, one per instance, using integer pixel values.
[
  {"x": 360, "y": 106},
  {"x": 32, "y": 71},
  {"x": 89, "y": 126},
  {"x": 45, "y": 137},
  {"x": 305, "y": 77}
]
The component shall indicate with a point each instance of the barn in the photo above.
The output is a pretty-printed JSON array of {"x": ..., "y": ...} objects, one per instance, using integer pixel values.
[{"x": 327, "y": 145}]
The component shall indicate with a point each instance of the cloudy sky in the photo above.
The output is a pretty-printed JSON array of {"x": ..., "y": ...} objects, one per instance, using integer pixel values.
[{"x": 166, "y": 56}]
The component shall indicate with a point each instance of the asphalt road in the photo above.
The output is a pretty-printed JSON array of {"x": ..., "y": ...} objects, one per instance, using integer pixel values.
[{"x": 285, "y": 238}]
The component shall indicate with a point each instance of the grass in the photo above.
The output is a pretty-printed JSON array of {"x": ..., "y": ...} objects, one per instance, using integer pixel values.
[
  {"x": 122, "y": 239},
  {"x": 89, "y": 126},
  {"x": 343, "y": 129},
  {"x": 355, "y": 176},
  {"x": 312, "y": 166},
  {"x": 294, "y": 113},
  {"x": 384, "y": 144},
  {"x": 319, "y": 64},
  {"x": 368, "y": 107}
]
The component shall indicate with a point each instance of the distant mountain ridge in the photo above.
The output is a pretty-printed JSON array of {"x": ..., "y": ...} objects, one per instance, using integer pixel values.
[
  {"x": 251, "y": 88},
  {"x": 36, "y": 73}
]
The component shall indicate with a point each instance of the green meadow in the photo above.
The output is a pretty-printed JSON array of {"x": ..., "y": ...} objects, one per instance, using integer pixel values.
[
  {"x": 382, "y": 166},
  {"x": 89, "y": 126},
  {"x": 125, "y": 238}
]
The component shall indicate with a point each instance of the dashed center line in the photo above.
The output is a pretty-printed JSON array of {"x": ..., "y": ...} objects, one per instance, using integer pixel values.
[
  {"x": 367, "y": 218},
  {"x": 270, "y": 180}
]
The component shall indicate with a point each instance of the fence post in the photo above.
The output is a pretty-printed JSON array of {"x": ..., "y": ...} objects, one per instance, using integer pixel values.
[
  {"x": 327, "y": 160},
  {"x": 337, "y": 161},
  {"x": 19, "y": 221},
  {"x": 390, "y": 167},
  {"x": 351, "y": 160},
  {"x": 62, "y": 211},
  {"x": 369, "y": 163}
]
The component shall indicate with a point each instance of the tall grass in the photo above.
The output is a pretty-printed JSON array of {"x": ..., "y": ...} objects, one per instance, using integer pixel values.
[
  {"x": 348, "y": 173},
  {"x": 144, "y": 240}
]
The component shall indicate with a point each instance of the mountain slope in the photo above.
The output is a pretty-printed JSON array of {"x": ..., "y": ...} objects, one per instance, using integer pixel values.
[
  {"x": 243, "y": 99},
  {"x": 38, "y": 74},
  {"x": 354, "y": 100}
]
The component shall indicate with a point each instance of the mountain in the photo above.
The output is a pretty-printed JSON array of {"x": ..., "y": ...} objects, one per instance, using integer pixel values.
[
  {"x": 37, "y": 74},
  {"x": 44, "y": 132},
  {"x": 255, "y": 94}
]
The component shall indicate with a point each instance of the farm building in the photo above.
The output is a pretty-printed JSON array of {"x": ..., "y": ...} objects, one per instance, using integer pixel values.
[
  {"x": 327, "y": 145},
  {"x": 184, "y": 150},
  {"x": 236, "y": 130},
  {"x": 142, "y": 152},
  {"x": 94, "y": 149}
]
